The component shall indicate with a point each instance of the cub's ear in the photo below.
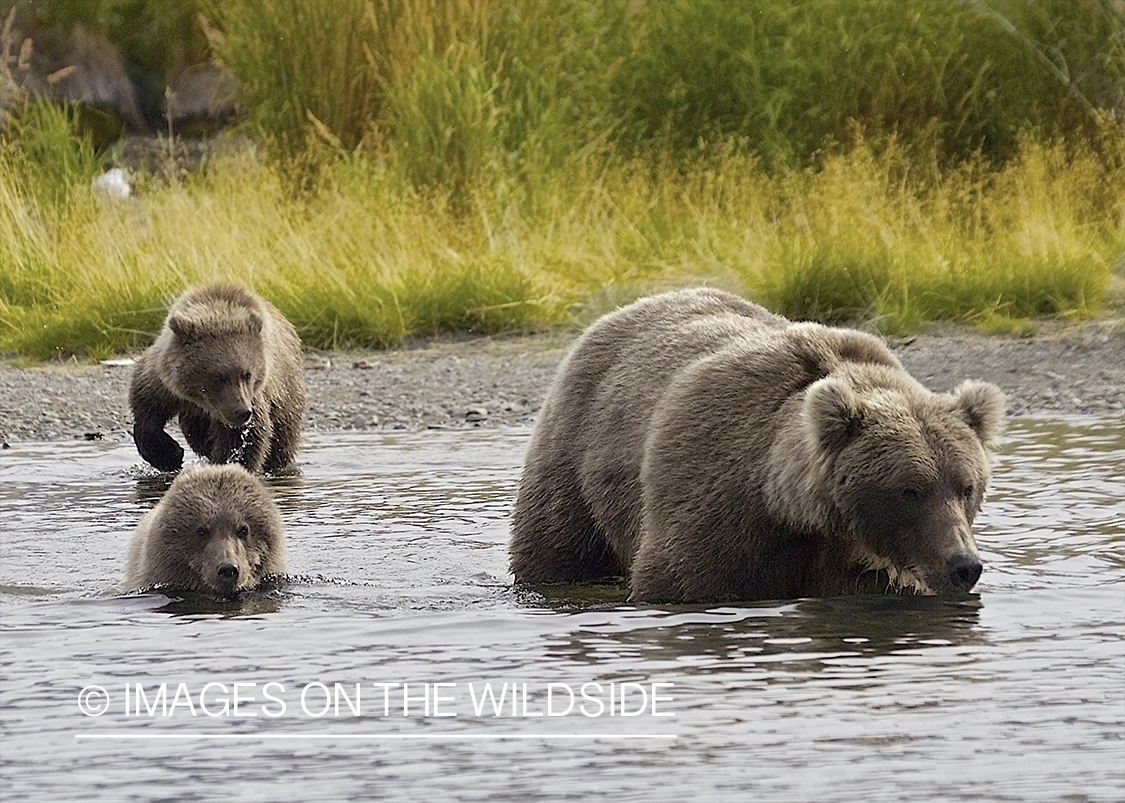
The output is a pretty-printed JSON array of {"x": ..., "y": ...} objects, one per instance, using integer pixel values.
[
  {"x": 254, "y": 323},
  {"x": 832, "y": 413},
  {"x": 182, "y": 328},
  {"x": 982, "y": 405}
]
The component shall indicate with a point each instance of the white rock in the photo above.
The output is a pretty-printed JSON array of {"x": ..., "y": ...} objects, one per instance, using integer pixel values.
[{"x": 113, "y": 183}]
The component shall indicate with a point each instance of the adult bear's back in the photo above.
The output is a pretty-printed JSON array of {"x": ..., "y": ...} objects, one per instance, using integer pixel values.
[{"x": 579, "y": 493}]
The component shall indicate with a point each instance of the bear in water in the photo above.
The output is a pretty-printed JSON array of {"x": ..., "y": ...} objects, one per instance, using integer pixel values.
[
  {"x": 228, "y": 364},
  {"x": 709, "y": 450},
  {"x": 215, "y": 531}
]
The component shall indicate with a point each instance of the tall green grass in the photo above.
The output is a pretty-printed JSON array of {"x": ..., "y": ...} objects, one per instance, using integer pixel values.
[
  {"x": 465, "y": 165},
  {"x": 866, "y": 241},
  {"x": 791, "y": 78},
  {"x": 453, "y": 90},
  {"x": 364, "y": 260},
  {"x": 456, "y": 86}
]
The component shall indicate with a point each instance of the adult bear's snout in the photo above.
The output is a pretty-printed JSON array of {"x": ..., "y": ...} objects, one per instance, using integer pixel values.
[{"x": 964, "y": 570}]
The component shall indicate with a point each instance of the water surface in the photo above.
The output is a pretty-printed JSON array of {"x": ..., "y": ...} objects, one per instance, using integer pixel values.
[{"x": 366, "y": 678}]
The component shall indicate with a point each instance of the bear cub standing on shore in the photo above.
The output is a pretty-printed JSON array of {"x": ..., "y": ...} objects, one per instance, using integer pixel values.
[
  {"x": 215, "y": 531},
  {"x": 228, "y": 365},
  {"x": 709, "y": 450}
]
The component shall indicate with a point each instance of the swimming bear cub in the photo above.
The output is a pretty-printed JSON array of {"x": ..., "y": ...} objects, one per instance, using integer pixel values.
[{"x": 216, "y": 531}]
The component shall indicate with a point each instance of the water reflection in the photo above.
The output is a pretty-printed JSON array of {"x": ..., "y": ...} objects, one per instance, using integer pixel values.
[
  {"x": 397, "y": 544},
  {"x": 708, "y": 639},
  {"x": 1055, "y": 515},
  {"x": 255, "y": 603},
  {"x": 151, "y": 487}
]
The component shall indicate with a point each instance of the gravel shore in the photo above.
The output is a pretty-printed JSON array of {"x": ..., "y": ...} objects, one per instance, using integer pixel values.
[{"x": 502, "y": 381}]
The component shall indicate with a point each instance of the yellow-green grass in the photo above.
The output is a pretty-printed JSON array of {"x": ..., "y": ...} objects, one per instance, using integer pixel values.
[
  {"x": 362, "y": 260},
  {"x": 461, "y": 166},
  {"x": 1039, "y": 237}
]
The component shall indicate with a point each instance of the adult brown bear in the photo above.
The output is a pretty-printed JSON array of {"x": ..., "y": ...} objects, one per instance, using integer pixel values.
[
  {"x": 707, "y": 449},
  {"x": 228, "y": 365}
]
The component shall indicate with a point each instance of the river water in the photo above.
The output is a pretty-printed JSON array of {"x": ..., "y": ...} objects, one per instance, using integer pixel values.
[{"x": 401, "y": 665}]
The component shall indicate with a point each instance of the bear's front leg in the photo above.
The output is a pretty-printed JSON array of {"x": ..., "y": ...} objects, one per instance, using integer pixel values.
[
  {"x": 255, "y": 440},
  {"x": 246, "y": 446},
  {"x": 156, "y": 446},
  {"x": 153, "y": 406},
  {"x": 285, "y": 435}
]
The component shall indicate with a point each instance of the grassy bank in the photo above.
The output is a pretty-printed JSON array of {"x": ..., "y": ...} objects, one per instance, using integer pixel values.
[
  {"x": 463, "y": 165},
  {"x": 363, "y": 260}
]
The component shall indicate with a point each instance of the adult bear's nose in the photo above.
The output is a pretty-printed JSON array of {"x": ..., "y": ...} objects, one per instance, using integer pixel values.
[
  {"x": 964, "y": 570},
  {"x": 228, "y": 572},
  {"x": 242, "y": 415}
]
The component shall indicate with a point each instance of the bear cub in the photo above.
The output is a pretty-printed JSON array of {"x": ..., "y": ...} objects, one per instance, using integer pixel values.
[
  {"x": 709, "y": 450},
  {"x": 228, "y": 365},
  {"x": 216, "y": 531}
]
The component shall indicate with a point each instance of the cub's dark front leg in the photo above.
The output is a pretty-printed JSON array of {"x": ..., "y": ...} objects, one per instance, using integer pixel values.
[
  {"x": 284, "y": 436},
  {"x": 152, "y": 408}
]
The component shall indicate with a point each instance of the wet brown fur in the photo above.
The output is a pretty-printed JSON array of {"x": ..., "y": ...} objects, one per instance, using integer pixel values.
[
  {"x": 707, "y": 449},
  {"x": 211, "y": 517},
  {"x": 224, "y": 354}
]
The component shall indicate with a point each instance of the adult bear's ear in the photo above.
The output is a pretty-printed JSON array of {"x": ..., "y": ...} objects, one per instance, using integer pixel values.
[
  {"x": 182, "y": 328},
  {"x": 832, "y": 413},
  {"x": 982, "y": 405}
]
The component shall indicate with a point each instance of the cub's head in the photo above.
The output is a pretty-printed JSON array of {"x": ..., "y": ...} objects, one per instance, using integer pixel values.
[
  {"x": 218, "y": 531},
  {"x": 217, "y": 360},
  {"x": 905, "y": 471}
]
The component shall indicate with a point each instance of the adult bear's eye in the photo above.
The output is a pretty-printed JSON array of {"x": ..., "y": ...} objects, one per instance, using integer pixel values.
[
  {"x": 201, "y": 533},
  {"x": 911, "y": 496},
  {"x": 966, "y": 491},
  {"x": 243, "y": 532}
]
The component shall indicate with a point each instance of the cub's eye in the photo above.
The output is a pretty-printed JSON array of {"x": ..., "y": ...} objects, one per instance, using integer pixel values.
[
  {"x": 911, "y": 495},
  {"x": 201, "y": 533},
  {"x": 966, "y": 491},
  {"x": 243, "y": 532},
  {"x": 247, "y": 377}
]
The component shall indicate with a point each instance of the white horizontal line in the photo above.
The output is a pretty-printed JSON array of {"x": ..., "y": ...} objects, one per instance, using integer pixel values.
[{"x": 148, "y": 734}]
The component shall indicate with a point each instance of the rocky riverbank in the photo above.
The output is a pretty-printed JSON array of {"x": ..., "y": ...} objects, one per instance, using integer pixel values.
[{"x": 502, "y": 382}]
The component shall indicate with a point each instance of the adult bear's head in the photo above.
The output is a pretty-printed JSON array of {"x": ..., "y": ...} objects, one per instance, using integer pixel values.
[{"x": 903, "y": 471}]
